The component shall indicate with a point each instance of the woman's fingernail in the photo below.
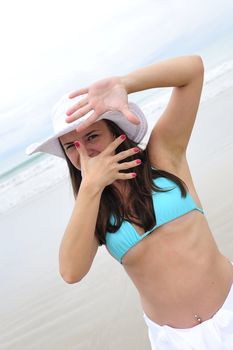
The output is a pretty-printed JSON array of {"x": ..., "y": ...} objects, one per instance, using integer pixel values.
[
  {"x": 123, "y": 137},
  {"x": 77, "y": 144},
  {"x": 136, "y": 149},
  {"x": 134, "y": 174},
  {"x": 138, "y": 161}
]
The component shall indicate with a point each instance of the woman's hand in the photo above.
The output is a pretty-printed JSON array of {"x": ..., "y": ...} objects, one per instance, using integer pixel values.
[
  {"x": 104, "y": 95},
  {"x": 103, "y": 169}
]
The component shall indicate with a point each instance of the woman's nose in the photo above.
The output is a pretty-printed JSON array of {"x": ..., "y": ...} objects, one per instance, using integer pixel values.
[{"x": 90, "y": 151}]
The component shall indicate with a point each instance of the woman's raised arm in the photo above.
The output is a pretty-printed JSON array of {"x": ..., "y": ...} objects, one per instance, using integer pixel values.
[{"x": 171, "y": 133}]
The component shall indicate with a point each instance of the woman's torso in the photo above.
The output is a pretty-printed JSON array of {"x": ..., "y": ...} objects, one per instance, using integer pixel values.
[{"x": 178, "y": 269}]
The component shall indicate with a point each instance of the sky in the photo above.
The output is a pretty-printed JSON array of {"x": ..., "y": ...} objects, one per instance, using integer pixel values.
[{"x": 50, "y": 47}]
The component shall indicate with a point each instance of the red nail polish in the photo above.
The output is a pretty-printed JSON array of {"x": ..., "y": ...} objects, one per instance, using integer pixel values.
[
  {"x": 123, "y": 137},
  {"x": 134, "y": 174},
  {"x": 138, "y": 161},
  {"x": 136, "y": 149},
  {"x": 77, "y": 144}
]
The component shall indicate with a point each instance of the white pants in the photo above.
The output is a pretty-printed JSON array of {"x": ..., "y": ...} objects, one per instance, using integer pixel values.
[{"x": 213, "y": 334}]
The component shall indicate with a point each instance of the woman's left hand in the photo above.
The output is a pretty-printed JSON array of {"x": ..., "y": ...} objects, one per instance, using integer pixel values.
[{"x": 104, "y": 95}]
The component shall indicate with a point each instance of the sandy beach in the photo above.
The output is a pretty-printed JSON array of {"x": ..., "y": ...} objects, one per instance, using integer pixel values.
[{"x": 40, "y": 311}]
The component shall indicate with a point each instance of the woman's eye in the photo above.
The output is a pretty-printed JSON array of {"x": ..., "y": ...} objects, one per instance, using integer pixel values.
[
  {"x": 91, "y": 137},
  {"x": 70, "y": 146}
]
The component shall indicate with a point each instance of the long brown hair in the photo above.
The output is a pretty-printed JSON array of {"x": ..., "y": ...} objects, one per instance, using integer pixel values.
[{"x": 140, "y": 189}]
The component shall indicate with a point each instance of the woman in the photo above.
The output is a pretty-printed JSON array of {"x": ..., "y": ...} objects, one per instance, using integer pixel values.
[{"x": 143, "y": 205}]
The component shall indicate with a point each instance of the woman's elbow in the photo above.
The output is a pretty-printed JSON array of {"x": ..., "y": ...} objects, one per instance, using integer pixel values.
[
  {"x": 70, "y": 279},
  {"x": 199, "y": 64}
]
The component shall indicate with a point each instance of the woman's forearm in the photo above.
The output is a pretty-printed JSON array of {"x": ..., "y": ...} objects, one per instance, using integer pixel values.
[
  {"x": 78, "y": 243},
  {"x": 178, "y": 71}
]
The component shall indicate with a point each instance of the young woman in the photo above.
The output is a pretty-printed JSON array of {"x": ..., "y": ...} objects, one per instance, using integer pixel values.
[{"x": 143, "y": 205}]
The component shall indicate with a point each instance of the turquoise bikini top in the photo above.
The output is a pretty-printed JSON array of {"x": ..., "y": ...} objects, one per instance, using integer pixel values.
[{"x": 167, "y": 206}]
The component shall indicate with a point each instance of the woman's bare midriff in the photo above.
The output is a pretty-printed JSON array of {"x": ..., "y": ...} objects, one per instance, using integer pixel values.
[{"x": 179, "y": 272}]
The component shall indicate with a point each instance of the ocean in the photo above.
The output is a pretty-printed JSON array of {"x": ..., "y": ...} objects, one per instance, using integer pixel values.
[{"x": 28, "y": 176}]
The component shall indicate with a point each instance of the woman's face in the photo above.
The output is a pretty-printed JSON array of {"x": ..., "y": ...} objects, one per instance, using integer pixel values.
[{"x": 95, "y": 139}]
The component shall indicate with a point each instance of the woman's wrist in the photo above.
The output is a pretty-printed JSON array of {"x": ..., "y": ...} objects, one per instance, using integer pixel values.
[
  {"x": 128, "y": 84},
  {"x": 91, "y": 188}
]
